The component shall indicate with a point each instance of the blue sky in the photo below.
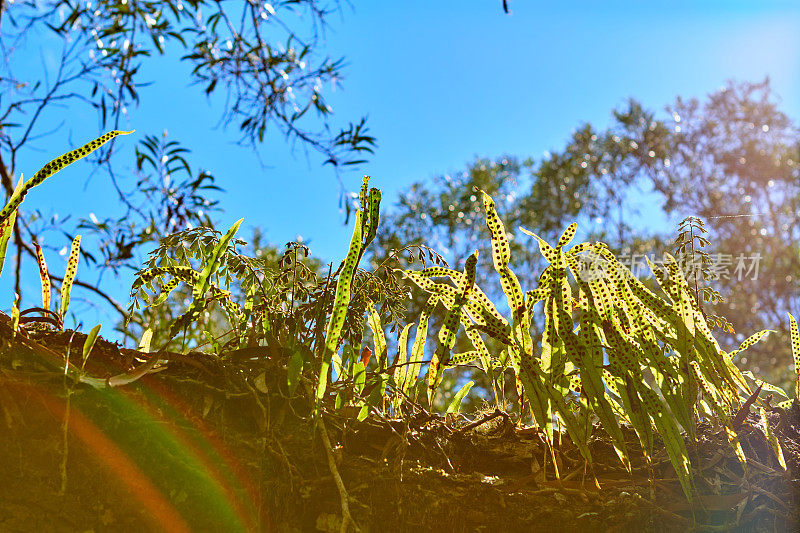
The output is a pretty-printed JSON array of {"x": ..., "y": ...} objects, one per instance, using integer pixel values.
[{"x": 443, "y": 82}]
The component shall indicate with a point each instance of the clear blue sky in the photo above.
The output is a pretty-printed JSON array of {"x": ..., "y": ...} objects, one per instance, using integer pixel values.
[{"x": 443, "y": 82}]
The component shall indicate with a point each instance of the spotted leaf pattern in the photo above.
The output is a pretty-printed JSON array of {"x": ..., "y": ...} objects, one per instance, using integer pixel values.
[
  {"x": 44, "y": 277},
  {"x": 447, "y": 333},
  {"x": 378, "y": 337},
  {"x": 7, "y": 226},
  {"x": 341, "y": 302},
  {"x": 69, "y": 277},
  {"x": 53, "y": 167},
  {"x": 418, "y": 348},
  {"x": 618, "y": 319}
]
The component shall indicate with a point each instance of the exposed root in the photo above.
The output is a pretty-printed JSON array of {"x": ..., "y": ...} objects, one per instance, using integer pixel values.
[{"x": 346, "y": 517}]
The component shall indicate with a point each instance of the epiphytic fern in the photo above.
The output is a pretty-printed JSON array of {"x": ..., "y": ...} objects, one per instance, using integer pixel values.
[{"x": 595, "y": 311}]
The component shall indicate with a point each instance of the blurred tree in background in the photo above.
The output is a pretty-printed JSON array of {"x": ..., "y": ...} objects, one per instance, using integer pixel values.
[{"x": 734, "y": 161}]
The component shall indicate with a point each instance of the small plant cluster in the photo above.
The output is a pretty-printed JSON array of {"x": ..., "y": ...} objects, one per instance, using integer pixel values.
[
  {"x": 43, "y": 316},
  {"x": 8, "y": 217},
  {"x": 688, "y": 247},
  {"x": 612, "y": 349}
]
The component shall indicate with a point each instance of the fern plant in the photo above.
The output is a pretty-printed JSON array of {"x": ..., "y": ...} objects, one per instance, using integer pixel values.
[
  {"x": 603, "y": 331},
  {"x": 8, "y": 216},
  {"x": 8, "y": 213}
]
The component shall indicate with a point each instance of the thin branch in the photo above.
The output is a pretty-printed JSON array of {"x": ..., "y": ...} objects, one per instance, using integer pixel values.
[{"x": 346, "y": 517}]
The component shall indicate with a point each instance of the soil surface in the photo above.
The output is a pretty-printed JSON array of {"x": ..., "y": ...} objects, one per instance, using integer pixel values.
[{"x": 204, "y": 443}]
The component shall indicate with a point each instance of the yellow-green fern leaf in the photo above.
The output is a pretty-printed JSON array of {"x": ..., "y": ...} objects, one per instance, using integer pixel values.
[
  {"x": 548, "y": 252},
  {"x": 378, "y": 337},
  {"x": 363, "y": 203},
  {"x": 795, "y": 336},
  {"x": 447, "y": 333},
  {"x": 586, "y": 351},
  {"x": 673, "y": 441},
  {"x": 401, "y": 371},
  {"x": 418, "y": 348},
  {"x": 486, "y": 319},
  {"x": 15, "y": 316},
  {"x": 567, "y": 236},
  {"x": 480, "y": 346},
  {"x": 54, "y": 166},
  {"x": 773, "y": 440},
  {"x": 69, "y": 277},
  {"x": 713, "y": 401},
  {"x": 341, "y": 302},
  {"x": 580, "y": 247},
  {"x": 7, "y": 227},
  {"x": 462, "y": 358},
  {"x": 501, "y": 256},
  {"x": 213, "y": 262},
  {"x": 536, "y": 295},
  {"x": 184, "y": 273},
  {"x": 203, "y": 282},
  {"x": 166, "y": 289},
  {"x": 476, "y": 295},
  {"x": 373, "y": 212},
  {"x": 44, "y": 276}
]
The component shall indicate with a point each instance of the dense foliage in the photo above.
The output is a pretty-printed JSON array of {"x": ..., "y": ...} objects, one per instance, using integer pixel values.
[
  {"x": 610, "y": 349},
  {"x": 267, "y": 61}
]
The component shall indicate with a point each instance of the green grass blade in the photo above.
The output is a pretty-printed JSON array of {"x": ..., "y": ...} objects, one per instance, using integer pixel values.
[{"x": 88, "y": 344}]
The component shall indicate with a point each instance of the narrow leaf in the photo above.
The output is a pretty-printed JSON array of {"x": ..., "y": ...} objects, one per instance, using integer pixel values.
[
  {"x": 455, "y": 404},
  {"x": 69, "y": 277}
]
